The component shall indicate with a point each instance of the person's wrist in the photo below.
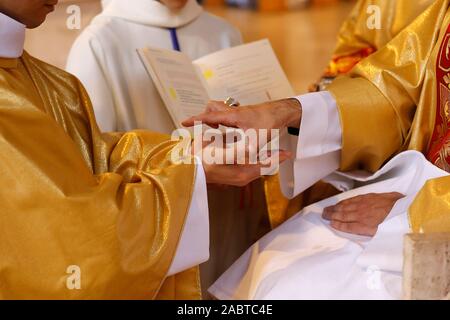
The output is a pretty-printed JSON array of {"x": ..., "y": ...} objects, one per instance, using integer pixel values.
[
  {"x": 208, "y": 173},
  {"x": 292, "y": 113},
  {"x": 285, "y": 113}
]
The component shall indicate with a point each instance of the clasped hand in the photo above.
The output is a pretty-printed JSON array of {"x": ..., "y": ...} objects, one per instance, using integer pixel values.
[{"x": 268, "y": 116}]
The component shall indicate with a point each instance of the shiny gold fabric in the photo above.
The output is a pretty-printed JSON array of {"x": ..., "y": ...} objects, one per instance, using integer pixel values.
[
  {"x": 388, "y": 102},
  {"x": 111, "y": 204},
  {"x": 354, "y": 37},
  {"x": 354, "y": 34},
  {"x": 394, "y": 89},
  {"x": 430, "y": 211},
  {"x": 279, "y": 208},
  {"x": 356, "y": 40}
]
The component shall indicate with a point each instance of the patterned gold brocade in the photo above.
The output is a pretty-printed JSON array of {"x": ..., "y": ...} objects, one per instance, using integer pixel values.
[
  {"x": 392, "y": 107},
  {"x": 112, "y": 204}
]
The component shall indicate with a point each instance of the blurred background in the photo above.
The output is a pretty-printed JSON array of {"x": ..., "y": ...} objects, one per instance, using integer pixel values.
[{"x": 302, "y": 32}]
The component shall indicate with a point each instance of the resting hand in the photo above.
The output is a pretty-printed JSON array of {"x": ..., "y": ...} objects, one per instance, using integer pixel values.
[{"x": 363, "y": 214}]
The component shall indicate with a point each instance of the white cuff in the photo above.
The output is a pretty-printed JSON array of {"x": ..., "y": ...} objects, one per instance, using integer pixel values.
[
  {"x": 317, "y": 149},
  {"x": 320, "y": 129},
  {"x": 193, "y": 248}
]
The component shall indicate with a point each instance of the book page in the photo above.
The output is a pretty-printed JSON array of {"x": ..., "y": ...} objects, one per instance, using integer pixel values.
[
  {"x": 178, "y": 82},
  {"x": 249, "y": 73}
]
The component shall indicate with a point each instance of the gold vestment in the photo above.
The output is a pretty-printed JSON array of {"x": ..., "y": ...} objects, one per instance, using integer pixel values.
[
  {"x": 112, "y": 205},
  {"x": 355, "y": 42},
  {"x": 389, "y": 103}
]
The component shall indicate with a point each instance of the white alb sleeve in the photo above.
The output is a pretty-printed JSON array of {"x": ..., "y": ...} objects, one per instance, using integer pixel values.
[
  {"x": 193, "y": 248},
  {"x": 318, "y": 146}
]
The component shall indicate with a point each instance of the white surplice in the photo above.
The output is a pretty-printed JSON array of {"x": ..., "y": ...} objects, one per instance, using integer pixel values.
[
  {"x": 306, "y": 259},
  {"x": 193, "y": 247},
  {"x": 105, "y": 59}
]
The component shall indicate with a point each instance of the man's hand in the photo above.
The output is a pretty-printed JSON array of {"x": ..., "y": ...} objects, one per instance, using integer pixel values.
[
  {"x": 271, "y": 115},
  {"x": 363, "y": 214},
  {"x": 235, "y": 174}
]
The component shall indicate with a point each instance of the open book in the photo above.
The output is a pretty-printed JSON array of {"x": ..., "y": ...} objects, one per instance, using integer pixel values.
[{"x": 250, "y": 73}]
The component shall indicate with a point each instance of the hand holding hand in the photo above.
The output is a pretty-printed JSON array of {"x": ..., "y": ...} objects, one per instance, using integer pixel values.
[
  {"x": 270, "y": 115},
  {"x": 238, "y": 170},
  {"x": 238, "y": 175}
]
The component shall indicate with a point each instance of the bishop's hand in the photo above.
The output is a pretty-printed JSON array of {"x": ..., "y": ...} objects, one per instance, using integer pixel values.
[
  {"x": 267, "y": 116},
  {"x": 270, "y": 115}
]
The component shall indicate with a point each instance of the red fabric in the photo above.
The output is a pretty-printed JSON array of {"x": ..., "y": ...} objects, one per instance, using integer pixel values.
[
  {"x": 343, "y": 64},
  {"x": 441, "y": 135}
]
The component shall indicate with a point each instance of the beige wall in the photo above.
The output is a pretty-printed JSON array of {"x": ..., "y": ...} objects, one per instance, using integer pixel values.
[
  {"x": 53, "y": 40},
  {"x": 303, "y": 39}
]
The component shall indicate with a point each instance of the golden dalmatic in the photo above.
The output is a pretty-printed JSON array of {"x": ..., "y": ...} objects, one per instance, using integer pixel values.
[
  {"x": 113, "y": 205},
  {"x": 398, "y": 99},
  {"x": 356, "y": 41}
]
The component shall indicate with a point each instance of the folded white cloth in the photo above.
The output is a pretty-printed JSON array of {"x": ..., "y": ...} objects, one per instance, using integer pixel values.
[{"x": 306, "y": 259}]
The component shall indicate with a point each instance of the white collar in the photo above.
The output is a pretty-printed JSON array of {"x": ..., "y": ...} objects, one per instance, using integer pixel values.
[
  {"x": 152, "y": 12},
  {"x": 12, "y": 37}
]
